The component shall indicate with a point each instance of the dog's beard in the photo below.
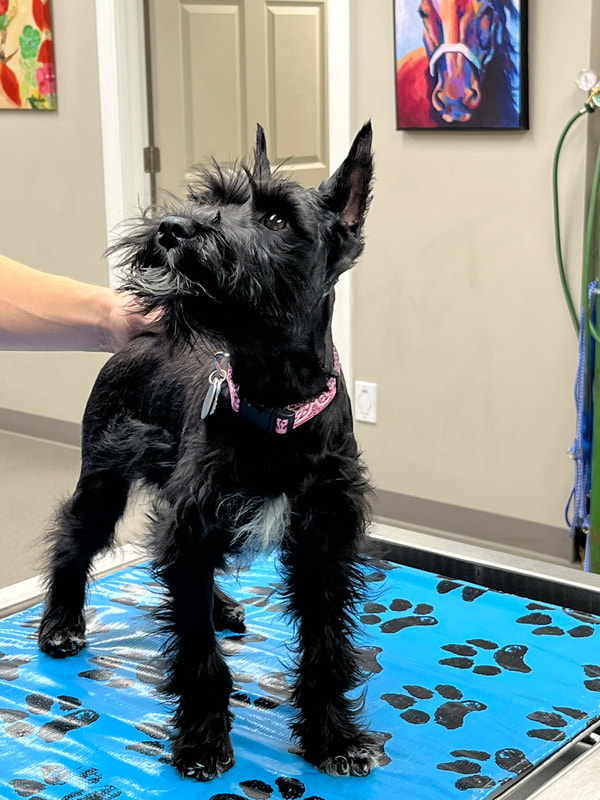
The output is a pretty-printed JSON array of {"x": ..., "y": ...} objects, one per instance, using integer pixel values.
[
  {"x": 166, "y": 281},
  {"x": 160, "y": 282}
]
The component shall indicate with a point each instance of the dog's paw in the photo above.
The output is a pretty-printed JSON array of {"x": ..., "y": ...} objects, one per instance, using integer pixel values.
[
  {"x": 203, "y": 761},
  {"x": 63, "y": 644},
  {"x": 357, "y": 758},
  {"x": 60, "y": 639},
  {"x": 356, "y": 762}
]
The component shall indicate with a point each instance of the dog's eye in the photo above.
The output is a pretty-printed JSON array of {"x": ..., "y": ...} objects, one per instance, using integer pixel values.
[{"x": 274, "y": 222}]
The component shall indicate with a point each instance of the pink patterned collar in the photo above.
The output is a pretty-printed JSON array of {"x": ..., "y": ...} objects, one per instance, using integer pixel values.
[{"x": 284, "y": 420}]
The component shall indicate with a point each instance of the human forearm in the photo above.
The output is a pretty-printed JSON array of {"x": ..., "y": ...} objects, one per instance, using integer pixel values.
[{"x": 39, "y": 311}]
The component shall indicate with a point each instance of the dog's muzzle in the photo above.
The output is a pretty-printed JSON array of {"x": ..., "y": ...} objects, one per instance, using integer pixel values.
[{"x": 172, "y": 231}]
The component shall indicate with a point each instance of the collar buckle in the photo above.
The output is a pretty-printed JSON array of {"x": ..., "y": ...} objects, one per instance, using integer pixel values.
[{"x": 269, "y": 420}]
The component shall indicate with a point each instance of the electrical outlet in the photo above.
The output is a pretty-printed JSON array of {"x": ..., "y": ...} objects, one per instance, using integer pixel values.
[{"x": 365, "y": 401}]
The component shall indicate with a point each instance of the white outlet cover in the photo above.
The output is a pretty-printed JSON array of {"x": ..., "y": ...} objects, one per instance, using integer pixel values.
[{"x": 365, "y": 401}]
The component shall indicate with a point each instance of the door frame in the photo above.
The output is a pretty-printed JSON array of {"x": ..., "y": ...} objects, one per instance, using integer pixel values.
[
  {"x": 123, "y": 111},
  {"x": 123, "y": 108}
]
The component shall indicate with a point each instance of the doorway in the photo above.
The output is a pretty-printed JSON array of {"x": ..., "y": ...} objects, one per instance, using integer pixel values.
[
  {"x": 121, "y": 54},
  {"x": 218, "y": 68}
]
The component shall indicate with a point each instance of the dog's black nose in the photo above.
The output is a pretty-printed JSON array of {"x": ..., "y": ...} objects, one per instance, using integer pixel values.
[{"x": 172, "y": 230}]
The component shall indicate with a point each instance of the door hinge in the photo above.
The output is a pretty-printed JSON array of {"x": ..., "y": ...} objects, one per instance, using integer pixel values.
[{"x": 151, "y": 159}]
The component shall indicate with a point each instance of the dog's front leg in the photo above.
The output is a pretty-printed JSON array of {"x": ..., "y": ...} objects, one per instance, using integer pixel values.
[
  {"x": 198, "y": 677},
  {"x": 324, "y": 583}
]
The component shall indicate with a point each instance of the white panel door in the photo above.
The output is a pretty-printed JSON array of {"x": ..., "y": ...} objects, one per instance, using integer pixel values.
[{"x": 221, "y": 66}]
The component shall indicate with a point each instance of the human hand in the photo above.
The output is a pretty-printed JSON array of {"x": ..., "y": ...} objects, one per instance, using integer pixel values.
[{"x": 124, "y": 320}]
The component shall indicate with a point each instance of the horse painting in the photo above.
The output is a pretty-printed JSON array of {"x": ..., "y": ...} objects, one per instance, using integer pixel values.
[{"x": 469, "y": 73}]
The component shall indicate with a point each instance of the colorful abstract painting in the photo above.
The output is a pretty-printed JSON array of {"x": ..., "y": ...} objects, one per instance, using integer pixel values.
[
  {"x": 461, "y": 64},
  {"x": 27, "y": 76}
]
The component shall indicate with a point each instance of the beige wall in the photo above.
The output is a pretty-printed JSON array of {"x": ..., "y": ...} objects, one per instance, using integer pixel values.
[
  {"x": 458, "y": 311},
  {"x": 52, "y": 209}
]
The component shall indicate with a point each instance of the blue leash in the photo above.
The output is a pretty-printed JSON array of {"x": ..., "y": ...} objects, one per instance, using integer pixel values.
[{"x": 581, "y": 450}]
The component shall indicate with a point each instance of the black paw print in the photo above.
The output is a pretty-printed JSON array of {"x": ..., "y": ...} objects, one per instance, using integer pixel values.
[
  {"x": 592, "y": 671},
  {"x": 367, "y": 659},
  {"x": 156, "y": 743},
  {"x": 54, "y": 775},
  {"x": 287, "y": 789},
  {"x": 381, "y": 738},
  {"x": 274, "y": 683},
  {"x": 465, "y": 763},
  {"x": 136, "y": 596},
  {"x": 233, "y": 645},
  {"x": 468, "y": 594},
  {"x": 377, "y": 576},
  {"x": 553, "y": 722},
  {"x": 262, "y": 597},
  {"x": 377, "y": 569},
  {"x": 543, "y": 623},
  {"x": 371, "y": 612},
  {"x": 149, "y": 670},
  {"x": 51, "y": 775},
  {"x": 420, "y": 616},
  {"x": 9, "y": 667},
  {"x": 450, "y": 714},
  {"x": 510, "y": 657},
  {"x": 75, "y": 718}
]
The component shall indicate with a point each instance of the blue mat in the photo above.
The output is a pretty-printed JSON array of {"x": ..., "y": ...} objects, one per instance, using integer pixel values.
[{"x": 469, "y": 689}]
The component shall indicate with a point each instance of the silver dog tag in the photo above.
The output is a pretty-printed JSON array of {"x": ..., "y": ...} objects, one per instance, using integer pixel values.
[{"x": 212, "y": 395}]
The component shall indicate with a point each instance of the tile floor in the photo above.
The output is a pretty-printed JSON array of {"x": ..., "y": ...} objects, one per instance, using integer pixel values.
[{"x": 34, "y": 477}]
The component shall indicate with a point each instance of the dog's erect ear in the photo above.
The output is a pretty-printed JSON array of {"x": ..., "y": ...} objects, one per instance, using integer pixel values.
[
  {"x": 348, "y": 191},
  {"x": 262, "y": 168}
]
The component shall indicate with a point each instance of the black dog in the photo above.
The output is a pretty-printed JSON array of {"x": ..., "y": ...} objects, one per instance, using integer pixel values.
[{"x": 249, "y": 448}]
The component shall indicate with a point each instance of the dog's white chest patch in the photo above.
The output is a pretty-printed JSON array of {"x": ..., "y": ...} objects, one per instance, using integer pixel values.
[{"x": 259, "y": 524}]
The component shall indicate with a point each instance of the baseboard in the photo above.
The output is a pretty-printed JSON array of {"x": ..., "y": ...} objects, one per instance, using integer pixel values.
[
  {"x": 464, "y": 524},
  {"x": 25, "y": 593},
  {"x": 39, "y": 427},
  {"x": 480, "y": 527}
]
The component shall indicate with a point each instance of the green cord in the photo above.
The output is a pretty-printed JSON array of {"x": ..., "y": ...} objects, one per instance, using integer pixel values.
[
  {"x": 590, "y": 233},
  {"x": 592, "y": 376},
  {"x": 588, "y": 250},
  {"x": 557, "y": 237}
]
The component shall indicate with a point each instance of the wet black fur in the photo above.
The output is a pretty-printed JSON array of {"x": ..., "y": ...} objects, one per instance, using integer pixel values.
[{"x": 225, "y": 280}]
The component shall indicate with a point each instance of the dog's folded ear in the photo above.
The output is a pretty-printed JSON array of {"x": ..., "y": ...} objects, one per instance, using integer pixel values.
[
  {"x": 348, "y": 190},
  {"x": 262, "y": 168}
]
